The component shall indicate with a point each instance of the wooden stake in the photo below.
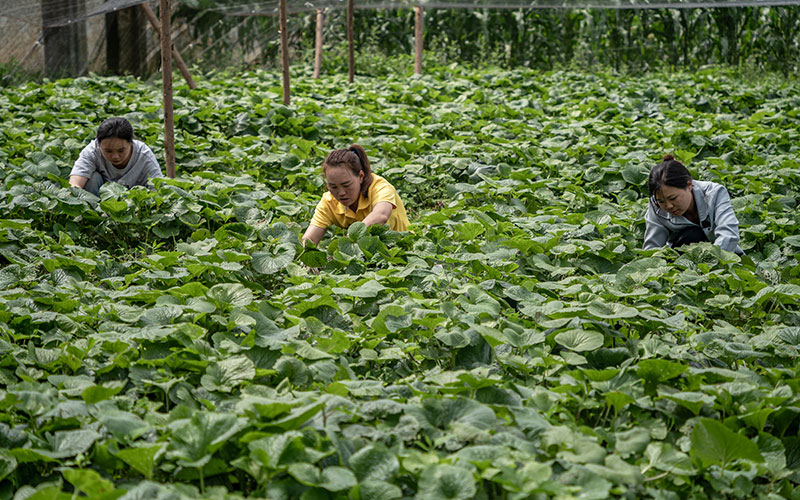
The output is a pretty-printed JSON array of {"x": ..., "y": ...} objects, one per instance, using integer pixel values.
[
  {"x": 351, "y": 60},
  {"x": 151, "y": 16},
  {"x": 318, "y": 44},
  {"x": 285, "y": 54},
  {"x": 419, "y": 19},
  {"x": 166, "y": 76}
]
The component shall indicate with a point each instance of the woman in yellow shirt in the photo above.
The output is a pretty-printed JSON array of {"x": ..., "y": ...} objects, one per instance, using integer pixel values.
[{"x": 354, "y": 194}]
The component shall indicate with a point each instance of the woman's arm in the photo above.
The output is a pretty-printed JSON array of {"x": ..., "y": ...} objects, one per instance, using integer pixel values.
[
  {"x": 655, "y": 234},
  {"x": 152, "y": 168},
  {"x": 84, "y": 166},
  {"x": 77, "y": 181},
  {"x": 726, "y": 230},
  {"x": 380, "y": 213},
  {"x": 313, "y": 234}
]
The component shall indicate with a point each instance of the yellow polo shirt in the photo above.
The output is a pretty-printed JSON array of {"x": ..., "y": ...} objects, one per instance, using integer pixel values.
[{"x": 330, "y": 211}]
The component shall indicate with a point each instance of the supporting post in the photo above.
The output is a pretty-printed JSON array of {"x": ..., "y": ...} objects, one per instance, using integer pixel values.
[
  {"x": 351, "y": 60},
  {"x": 419, "y": 19},
  {"x": 151, "y": 16},
  {"x": 166, "y": 75},
  {"x": 285, "y": 54},
  {"x": 318, "y": 44}
]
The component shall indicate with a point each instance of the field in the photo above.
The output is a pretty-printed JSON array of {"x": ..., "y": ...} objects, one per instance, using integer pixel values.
[{"x": 515, "y": 343}]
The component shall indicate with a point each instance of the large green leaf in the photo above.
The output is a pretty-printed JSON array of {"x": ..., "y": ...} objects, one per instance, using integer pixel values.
[
  {"x": 92, "y": 484},
  {"x": 142, "y": 459},
  {"x": 65, "y": 444},
  {"x": 636, "y": 173},
  {"x": 228, "y": 373},
  {"x": 123, "y": 425},
  {"x": 273, "y": 261},
  {"x": 694, "y": 401},
  {"x": 640, "y": 271},
  {"x": 443, "y": 413},
  {"x": 664, "y": 457},
  {"x": 714, "y": 444},
  {"x": 330, "y": 478},
  {"x": 232, "y": 294},
  {"x": 374, "y": 462},
  {"x": 368, "y": 289},
  {"x": 195, "y": 439},
  {"x": 273, "y": 451},
  {"x": 7, "y": 464},
  {"x": 445, "y": 482},
  {"x": 477, "y": 301},
  {"x": 379, "y": 490},
  {"x": 613, "y": 310},
  {"x": 580, "y": 340},
  {"x": 659, "y": 370}
]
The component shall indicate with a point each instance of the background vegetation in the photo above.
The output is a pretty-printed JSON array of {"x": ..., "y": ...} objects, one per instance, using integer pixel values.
[{"x": 630, "y": 40}]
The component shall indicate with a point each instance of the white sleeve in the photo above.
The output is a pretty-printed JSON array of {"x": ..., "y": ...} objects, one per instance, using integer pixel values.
[
  {"x": 86, "y": 164},
  {"x": 726, "y": 225},
  {"x": 152, "y": 168},
  {"x": 655, "y": 234}
]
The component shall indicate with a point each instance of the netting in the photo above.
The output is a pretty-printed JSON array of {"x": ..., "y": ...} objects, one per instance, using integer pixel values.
[
  {"x": 271, "y": 7},
  {"x": 109, "y": 6},
  {"x": 73, "y": 37}
]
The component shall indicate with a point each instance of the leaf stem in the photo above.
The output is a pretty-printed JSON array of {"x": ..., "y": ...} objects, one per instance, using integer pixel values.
[{"x": 656, "y": 478}]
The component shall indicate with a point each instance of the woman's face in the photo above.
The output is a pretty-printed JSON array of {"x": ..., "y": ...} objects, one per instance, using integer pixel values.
[
  {"x": 344, "y": 185},
  {"x": 117, "y": 151},
  {"x": 676, "y": 201}
]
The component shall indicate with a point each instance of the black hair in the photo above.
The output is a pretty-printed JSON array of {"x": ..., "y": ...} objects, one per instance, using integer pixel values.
[
  {"x": 355, "y": 159},
  {"x": 670, "y": 172},
  {"x": 115, "y": 127}
]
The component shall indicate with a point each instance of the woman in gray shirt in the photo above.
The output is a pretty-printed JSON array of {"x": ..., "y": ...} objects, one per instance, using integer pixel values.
[
  {"x": 114, "y": 156},
  {"x": 683, "y": 210}
]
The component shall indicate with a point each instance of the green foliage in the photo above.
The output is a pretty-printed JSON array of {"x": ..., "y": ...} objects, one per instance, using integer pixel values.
[
  {"x": 180, "y": 343},
  {"x": 631, "y": 40}
]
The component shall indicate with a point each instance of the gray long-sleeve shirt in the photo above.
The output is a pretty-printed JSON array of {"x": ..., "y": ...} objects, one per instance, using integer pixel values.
[
  {"x": 714, "y": 209},
  {"x": 141, "y": 167}
]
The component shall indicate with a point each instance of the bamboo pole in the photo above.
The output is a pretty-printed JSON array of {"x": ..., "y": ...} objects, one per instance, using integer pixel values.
[
  {"x": 318, "y": 44},
  {"x": 285, "y": 54},
  {"x": 419, "y": 19},
  {"x": 351, "y": 60},
  {"x": 151, "y": 16},
  {"x": 166, "y": 76}
]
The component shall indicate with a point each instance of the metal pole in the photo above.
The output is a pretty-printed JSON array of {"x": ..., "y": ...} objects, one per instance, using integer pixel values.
[
  {"x": 151, "y": 16},
  {"x": 318, "y": 44},
  {"x": 166, "y": 76},
  {"x": 419, "y": 19},
  {"x": 285, "y": 54},
  {"x": 351, "y": 60}
]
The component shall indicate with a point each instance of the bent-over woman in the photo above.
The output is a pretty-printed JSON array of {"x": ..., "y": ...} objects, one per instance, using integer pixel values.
[
  {"x": 114, "y": 156},
  {"x": 354, "y": 194},
  {"x": 683, "y": 210}
]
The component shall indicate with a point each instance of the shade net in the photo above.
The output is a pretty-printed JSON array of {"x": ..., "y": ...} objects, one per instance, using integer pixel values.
[
  {"x": 271, "y": 8},
  {"x": 115, "y": 36}
]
